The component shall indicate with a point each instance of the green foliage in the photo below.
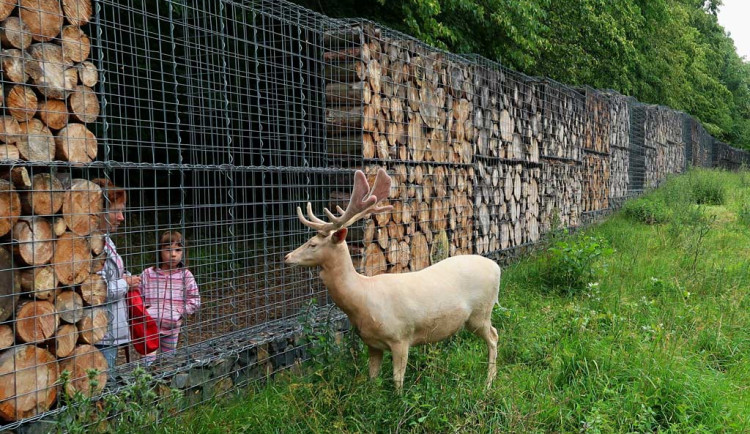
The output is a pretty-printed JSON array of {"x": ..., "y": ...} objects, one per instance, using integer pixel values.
[
  {"x": 647, "y": 210},
  {"x": 130, "y": 410},
  {"x": 708, "y": 190},
  {"x": 572, "y": 263}
]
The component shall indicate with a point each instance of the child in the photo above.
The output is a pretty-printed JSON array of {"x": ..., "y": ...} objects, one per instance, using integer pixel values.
[{"x": 169, "y": 291}]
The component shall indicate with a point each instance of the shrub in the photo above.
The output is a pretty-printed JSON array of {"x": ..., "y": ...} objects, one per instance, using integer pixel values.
[
  {"x": 647, "y": 210},
  {"x": 708, "y": 189},
  {"x": 570, "y": 265}
]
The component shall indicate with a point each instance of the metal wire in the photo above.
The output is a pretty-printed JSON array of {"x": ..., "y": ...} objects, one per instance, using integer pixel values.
[{"x": 220, "y": 118}]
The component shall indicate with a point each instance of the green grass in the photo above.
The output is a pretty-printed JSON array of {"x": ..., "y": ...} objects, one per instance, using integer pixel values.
[{"x": 658, "y": 342}]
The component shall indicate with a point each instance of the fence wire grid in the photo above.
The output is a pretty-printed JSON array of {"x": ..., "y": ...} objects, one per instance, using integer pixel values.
[{"x": 218, "y": 119}]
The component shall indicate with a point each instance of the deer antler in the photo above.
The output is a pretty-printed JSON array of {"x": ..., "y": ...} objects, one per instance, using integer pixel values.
[{"x": 363, "y": 201}]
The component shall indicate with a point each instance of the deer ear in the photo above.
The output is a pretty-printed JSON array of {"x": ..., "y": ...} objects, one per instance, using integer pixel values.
[{"x": 339, "y": 235}]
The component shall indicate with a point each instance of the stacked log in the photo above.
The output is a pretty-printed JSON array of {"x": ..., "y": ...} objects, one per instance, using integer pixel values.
[
  {"x": 665, "y": 150},
  {"x": 563, "y": 121},
  {"x": 619, "y": 158},
  {"x": 506, "y": 199},
  {"x": 432, "y": 218},
  {"x": 507, "y": 114},
  {"x": 561, "y": 194},
  {"x": 48, "y": 221},
  {"x": 596, "y": 152}
]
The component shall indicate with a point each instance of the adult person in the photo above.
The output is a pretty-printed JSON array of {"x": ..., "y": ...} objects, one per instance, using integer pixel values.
[{"x": 118, "y": 280}]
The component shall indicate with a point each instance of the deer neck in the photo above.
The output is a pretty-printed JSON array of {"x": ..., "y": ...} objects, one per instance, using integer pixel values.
[{"x": 342, "y": 280}]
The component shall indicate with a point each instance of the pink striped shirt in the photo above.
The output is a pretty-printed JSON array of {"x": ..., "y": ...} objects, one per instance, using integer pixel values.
[{"x": 169, "y": 295}]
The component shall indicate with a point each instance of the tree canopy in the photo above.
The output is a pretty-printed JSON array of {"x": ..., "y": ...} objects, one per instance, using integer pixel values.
[{"x": 670, "y": 52}]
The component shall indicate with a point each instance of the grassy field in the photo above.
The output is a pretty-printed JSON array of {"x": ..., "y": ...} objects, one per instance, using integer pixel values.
[{"x": 638, "y": 324}]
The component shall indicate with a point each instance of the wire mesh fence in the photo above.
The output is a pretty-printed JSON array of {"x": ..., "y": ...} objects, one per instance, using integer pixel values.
[{"x": 126, "y": 119}]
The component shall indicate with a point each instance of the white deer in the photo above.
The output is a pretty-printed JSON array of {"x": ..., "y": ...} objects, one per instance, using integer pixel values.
[{"x": 395, "y": 311}]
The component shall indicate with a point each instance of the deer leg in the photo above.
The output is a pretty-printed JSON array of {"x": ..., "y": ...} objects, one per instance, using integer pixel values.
[
  {"x": 376, "y": 359},
  {"x": 400, "y": 352},
  {"x": 489, "y": 335}
]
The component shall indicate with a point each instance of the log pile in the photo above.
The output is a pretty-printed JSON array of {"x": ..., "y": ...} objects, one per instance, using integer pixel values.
[
  {"x": 432, "y": 218},
  {"x": 50, "y": 305},
  {"x": 507, "y": 206},
  {"x": 563, "y": 121},
  {"x": 619, "y": 157},
  {"x": 596, "y": 152},
  {"x": 560, "y": 190},
  {"x": 507, "y": 115},
  {"x": 396, "y": 103},
  {"x": 665, "y": 150}
]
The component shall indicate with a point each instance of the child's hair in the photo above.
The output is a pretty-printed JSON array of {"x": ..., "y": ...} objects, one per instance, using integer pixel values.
[
  {"x": 167, "y": 239},
  {"x": 114, "y": 195}
]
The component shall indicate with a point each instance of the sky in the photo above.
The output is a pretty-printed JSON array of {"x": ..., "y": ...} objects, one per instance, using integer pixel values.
[{"x": 734, "y": 16}]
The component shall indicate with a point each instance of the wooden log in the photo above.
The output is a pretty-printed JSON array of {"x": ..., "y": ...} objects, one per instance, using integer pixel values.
[
  {"x": 36, "y": 142},
  {"x": 54, "y": 113},
  {"x": 7, "y": 337},
  {"x": 9, "y": 152},
  {"x": 14, "y": 65},
  {"x": 97, "y": 263},
  {"x": 345, "y": 93},
  {"x": 10, "y": 131},
  {"x": 59, "y": 226},
  {"x": 439, "y": 248},
  {"x": 373, "y": 261},
  {"x": 82, "y": 205},
  {"x": 72, "y": 259},
  {"x": 35, "y": 240},
  {"x": 345, "y": 72},
  {"x": 43, "y": 17},
  {"x": 75, "y": 143},
  {"x": 39, "y": 282},
  {"x": 21, "y": 102},
  {"x": 64, "y": 341},
  {"x": 84, "y": 104},
  {"x": 94, "y": 290},
  {"x": 14, "y": 33},
  {"x": 420, "y": 252},
  {"x": 10, "y": 284},
  {"x": 36, "y": 321},
  {"x": 69, "y": 305},
  {"x": 88, "y": 73},
  {"x": 6, "y": 8},
  {"x": 45, "y": 197},
  {"x": 96, "y": 239},
  {"x": 93, "y": 325},
  {"x": 48, "y": 70},
  {"x": 77, "y": 12},
  {"x": 28, "y": 382},
  {"x": 76, "y": 45},
  {"x": 10, "y": 206},
  {"x": 84, "y": 359}
]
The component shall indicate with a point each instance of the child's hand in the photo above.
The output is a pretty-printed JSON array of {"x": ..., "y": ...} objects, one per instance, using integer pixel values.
[{"x": 132, "y": 281}]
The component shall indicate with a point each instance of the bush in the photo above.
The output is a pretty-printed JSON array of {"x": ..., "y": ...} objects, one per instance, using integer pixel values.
[
  {"x": 570, "y": 265},
  {"x": 708, "y": 190},
  {"x": 647, "y": 210}
]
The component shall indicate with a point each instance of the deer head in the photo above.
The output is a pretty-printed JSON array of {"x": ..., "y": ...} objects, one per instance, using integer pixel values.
[{"x": 332, "y": 233}]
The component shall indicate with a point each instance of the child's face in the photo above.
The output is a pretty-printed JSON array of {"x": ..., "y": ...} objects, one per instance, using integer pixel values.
[{"x": 171, "y": 256}]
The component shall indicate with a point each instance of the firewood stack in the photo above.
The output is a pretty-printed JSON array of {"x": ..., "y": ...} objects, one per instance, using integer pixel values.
[
  {"x": 596, "y": 151},
  {"x": 665, "y": 150},
  {"x": 508, "y": 117},
  {"x": 416, "y": 110},
  {"x": 50, "y": 248},
  {"x": 560, "y": 186},
  {"x": 619, "y": 158}
]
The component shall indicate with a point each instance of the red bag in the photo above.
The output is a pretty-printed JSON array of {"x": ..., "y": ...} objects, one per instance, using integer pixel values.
[{"x": 144, "y": 332}]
